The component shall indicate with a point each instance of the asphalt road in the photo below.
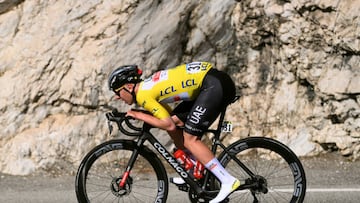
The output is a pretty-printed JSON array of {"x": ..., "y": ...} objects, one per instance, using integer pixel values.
[{"x": 330, "y": 178}]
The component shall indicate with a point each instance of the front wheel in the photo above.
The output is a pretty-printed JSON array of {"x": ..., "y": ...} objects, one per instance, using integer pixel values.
[
  {"x": 278, "y": 175},
  {"x": 102, "y": 170}
]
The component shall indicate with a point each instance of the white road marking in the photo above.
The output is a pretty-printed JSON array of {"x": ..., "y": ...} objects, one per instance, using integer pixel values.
[
  {"x": 313, "y": 190},
  {"x": 333, "y": 190}
]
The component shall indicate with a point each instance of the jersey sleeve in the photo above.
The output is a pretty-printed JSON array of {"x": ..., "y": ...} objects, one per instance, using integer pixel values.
[{"x": 157, "y": 109}]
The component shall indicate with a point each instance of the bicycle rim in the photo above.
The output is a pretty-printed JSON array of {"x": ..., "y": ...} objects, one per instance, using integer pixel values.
[
  {"x": 276, "y": 167},
  {"x": 103, "y": 169}
]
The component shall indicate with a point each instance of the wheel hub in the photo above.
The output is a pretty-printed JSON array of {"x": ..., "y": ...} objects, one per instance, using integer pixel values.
[
  {"x": 120, "y": 191},
  {"x": 261, "y": 185}
]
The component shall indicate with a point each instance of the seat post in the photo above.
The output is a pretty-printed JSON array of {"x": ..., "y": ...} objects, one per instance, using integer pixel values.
[
  {"x": 222, "y": 116},
  {"x": 221, "y": 120},
  {"x": 217, "y": 132}
]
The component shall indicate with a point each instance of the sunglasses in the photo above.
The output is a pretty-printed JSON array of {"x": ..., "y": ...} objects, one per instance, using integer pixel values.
[{"x": 118, "y": 90}]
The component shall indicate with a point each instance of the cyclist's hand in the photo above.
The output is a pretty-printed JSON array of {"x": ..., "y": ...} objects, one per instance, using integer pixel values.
[
  {"x": 132, "y": 113},
  {"x": 135, "y": 113}
]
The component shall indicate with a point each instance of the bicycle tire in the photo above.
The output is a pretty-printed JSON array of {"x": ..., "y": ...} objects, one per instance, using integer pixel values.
[
  {"x": 275, "y": 162},
  {"x": 102, "y": 168}
]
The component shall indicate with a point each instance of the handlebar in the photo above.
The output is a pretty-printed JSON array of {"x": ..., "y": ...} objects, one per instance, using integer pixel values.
[{"x": 120, "y": 118}]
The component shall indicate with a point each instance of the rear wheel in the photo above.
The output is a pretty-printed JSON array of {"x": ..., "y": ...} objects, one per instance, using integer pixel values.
[
  {"x": 101, "y": 171},
  {"x": 279, "y": 174}
]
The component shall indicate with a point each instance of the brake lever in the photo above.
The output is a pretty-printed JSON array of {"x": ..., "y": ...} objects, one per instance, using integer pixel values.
[
  {"x": 109, "y": 117},
  {"x": 110, "y": 127},
  {"x": 119, "y": 118}
]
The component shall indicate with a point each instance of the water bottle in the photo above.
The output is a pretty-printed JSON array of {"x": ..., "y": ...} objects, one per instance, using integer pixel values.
[
  {"x": 189, "y": 163},
  {"x": 183, "y": 159},
  {"x": 199, "y": 170}
]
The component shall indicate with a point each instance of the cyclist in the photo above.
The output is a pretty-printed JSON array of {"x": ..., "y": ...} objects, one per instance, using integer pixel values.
[{"x": 203, "y": 92}]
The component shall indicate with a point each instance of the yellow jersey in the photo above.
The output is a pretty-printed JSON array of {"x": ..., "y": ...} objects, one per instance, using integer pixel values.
[{"x": 181, "y": 83}]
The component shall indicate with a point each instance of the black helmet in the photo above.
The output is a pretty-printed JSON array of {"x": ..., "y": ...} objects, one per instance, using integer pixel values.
[{"x": 124, "y": 74}]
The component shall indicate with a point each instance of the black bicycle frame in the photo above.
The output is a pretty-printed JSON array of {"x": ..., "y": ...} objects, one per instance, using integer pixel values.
[
  {"x": 173, "y": 163},
  {"x": 147, "y": 136}
]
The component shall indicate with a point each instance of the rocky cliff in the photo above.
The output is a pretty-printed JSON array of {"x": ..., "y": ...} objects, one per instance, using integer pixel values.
[{"x": 296, "y": 63}]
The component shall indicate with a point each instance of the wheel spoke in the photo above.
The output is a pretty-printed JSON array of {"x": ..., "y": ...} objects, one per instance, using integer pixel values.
[
  {"x": 270, "y": 161},
  {"x": 99, "y": 177}
]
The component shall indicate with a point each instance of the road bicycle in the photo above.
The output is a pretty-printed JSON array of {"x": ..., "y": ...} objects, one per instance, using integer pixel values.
[{"x": 130, "y": 170}]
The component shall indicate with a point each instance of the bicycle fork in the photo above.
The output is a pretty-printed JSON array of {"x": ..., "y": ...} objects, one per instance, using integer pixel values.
[
  {"x": 127, "y": 171},
  {"x": 131, "y": 161}
]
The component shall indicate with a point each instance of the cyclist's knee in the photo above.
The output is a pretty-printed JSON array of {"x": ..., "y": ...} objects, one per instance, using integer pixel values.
[{"x": 190, "y": 139}]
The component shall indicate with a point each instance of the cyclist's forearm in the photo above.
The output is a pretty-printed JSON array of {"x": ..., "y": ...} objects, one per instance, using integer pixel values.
[{"x": 165, "y": 124}]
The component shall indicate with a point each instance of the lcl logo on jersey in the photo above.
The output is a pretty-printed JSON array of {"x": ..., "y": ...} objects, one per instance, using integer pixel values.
[
  {"x": 167, "y": 90},
  {"x": 188, "y": 83}
]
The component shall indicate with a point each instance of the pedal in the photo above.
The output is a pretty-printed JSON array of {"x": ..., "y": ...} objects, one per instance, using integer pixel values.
[{"x": 182, "y": 186}]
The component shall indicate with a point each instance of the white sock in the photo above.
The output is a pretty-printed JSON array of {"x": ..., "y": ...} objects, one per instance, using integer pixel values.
[
  {"x": 219, "y": 171},
  {"x": 228, "y": 182}
]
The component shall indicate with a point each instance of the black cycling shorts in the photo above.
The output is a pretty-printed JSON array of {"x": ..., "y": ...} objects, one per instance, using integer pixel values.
[{"x": 217, "y": 91}]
